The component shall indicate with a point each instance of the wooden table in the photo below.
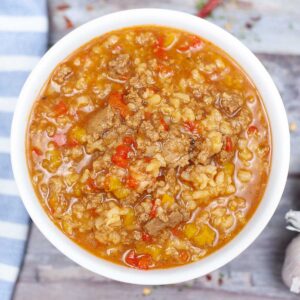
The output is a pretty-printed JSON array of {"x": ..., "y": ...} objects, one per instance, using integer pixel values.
[{"x": 271, "y": 28}]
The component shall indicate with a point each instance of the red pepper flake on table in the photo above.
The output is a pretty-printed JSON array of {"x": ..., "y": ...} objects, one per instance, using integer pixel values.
[
  {"x": 69, "y": 23},
  {"x": 205, "y": 9}
]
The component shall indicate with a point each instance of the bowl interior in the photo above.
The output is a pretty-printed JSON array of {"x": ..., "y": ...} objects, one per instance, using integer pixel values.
[{"x": 254, "y": 69}]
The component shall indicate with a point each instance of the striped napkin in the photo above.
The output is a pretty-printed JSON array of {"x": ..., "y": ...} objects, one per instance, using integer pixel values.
[{"x": 23, "y": 39}]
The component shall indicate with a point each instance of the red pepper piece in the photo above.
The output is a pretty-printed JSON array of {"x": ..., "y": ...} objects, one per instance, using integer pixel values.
[
  {"x": 147, "y": 115},
  {"x": 69, "y": 23},
  {"x": 131, "y": 182},
  {"x": 144, "y": 261},
  {"x": 37, "y": 151},
  {"x": 164, "y": 124},
  {"x": 146, "y": 237},
  {"x": 184, "y": 255},
  {"x": 62, "y": 6},
  {"x": 159, "y": 51},
  {"x": 190, "y": 126},
  {"x": 123, "y": 150},
  {"x": 193, "y": 43},
  {"x": 60, "y": 108},
  {"x": 252, "y": 130},
  {"x": 153, "y": 210},
  {"x": 147, "y": 159},
  {"x": 72, "y": 143},
  {"x": 207, "y": 9},
  {"x": 119, "y": 161},
  {"x": 228, "y": 144},
  {"x": 131, "y": 259},
  {"x": 129, "y": 140},
  {"x": 176, "y": 232},
  {"x": 92, "y": 184}
]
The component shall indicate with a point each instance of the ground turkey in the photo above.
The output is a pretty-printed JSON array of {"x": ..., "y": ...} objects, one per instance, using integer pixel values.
[
  {"x": 175, "y": 149},
  {"x": 154, "y": 226},
  {"x": 231, "y": 104}
]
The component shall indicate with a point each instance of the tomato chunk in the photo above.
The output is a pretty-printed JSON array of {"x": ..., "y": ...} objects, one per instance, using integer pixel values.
[
  {"x": 121, "y": 157},
  {"x": 119, "y": 161},
  {"x": 123, "y": 150},
  {"x": 115, "y": 100},
  {"x": 129, "y": 140}
]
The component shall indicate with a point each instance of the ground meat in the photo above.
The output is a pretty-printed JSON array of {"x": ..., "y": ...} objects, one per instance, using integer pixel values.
[
  {"x": 63, "y": 73},
  {"x": 175, "y": 149},
  {"x": 231, "y": 104},
  {"x": 135, "y": 120},
  {"x": 100, "y": 121},
  {"x": 154, "y": 226},
  {"x": 203, "y": 150},
  {"x": 148, "y": 130},
  {"x": 142, "y": 80},
  {"x": 145, "y": 38},
  {"x": 120, "y": 65}
]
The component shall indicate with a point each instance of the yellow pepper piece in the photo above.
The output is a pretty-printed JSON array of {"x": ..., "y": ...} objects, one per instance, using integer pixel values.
[
  {"x": 121, "y": 193},
  {"x": 167, "y": 200},
  {"x": 114, "y": 183},
  {"x": 78, "y": 134},
  {"x": 205, "y": 237},
  {"x": 228, "y": 168},
  {"x": 129, "y": 219},
  {"x": 169, "y": 39},
  {"x": 190, "y": 230}
]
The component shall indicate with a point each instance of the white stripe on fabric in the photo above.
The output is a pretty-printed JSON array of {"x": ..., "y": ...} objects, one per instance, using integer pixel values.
[
  {"x": 17, "y": 62},
  {"x": 8, "y": 187},
  {"x": 13, "y": 230},
  {"x": 8, "y": 273},
  {"x": 8, "y": 104},
  {"x": 4, "y": 144},
  {"x": 23, "y": 24}
]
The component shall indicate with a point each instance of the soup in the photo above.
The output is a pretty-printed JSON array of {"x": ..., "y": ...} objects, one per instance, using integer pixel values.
[{"x": 149, "y": 147}]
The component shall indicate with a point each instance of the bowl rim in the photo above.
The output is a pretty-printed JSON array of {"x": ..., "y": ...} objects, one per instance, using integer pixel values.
[{"x": 249, "y": 63}]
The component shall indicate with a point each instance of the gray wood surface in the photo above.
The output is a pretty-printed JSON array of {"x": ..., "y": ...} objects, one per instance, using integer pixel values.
[{"x": 255, "y": 274}]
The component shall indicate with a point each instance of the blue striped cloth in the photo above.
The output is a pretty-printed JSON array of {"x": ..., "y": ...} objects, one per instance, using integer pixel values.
[{"x": 23, "y": 39}]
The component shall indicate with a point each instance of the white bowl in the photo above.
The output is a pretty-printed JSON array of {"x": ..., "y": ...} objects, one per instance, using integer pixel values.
[{"x": 254, "y": 69}]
